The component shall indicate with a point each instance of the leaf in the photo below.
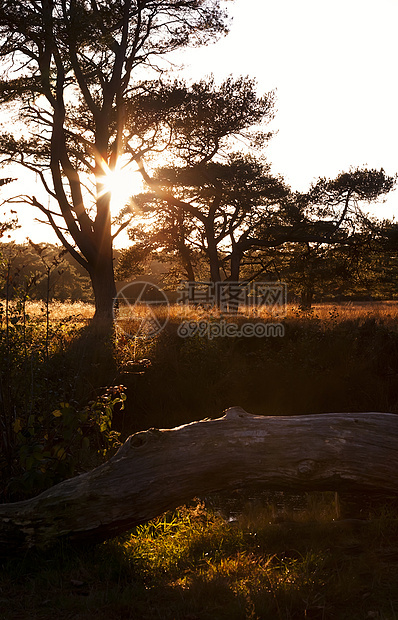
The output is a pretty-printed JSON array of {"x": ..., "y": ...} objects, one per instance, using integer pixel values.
[
  {"x": 17, "y": 425},
  {"x": 59, "y": 453},
  {"x": 57, "y": 413}
]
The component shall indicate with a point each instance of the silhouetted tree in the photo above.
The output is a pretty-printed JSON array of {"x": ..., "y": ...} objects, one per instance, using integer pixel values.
[
  {"x": 235, "y": 211},
  {"x": 204, "y": 123},
  {"x": 221, "y": 199},
  {"x": 329, "y": 214},
  {"x": 8, "y": 224},
  {"x": 320, "y": 237},
  {"x": 69, "y": 66}
]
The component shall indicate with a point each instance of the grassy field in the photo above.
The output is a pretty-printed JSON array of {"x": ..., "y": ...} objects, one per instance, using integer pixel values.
[
  {"x": 266, "y": 559},
  {"x": 386, "y": 311}
]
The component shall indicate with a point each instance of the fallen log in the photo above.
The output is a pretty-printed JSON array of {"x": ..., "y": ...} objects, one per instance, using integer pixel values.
[{"x": 158, "y": 470}]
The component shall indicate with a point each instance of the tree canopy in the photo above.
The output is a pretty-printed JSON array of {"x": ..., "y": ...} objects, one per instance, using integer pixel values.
[
  {"x": 235, "y": 211},
  {"x": 75, "y": 71}
]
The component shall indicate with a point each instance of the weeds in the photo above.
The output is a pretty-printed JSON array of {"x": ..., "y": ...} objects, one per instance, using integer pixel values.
[
  {"x": 48, "y": 432},
  {"x": 66, "y": 442}
]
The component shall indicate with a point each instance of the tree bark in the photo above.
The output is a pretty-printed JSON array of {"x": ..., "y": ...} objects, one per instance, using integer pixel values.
[
  {"x": 158, "y": 470},
  {"x": 104, "y": 287},
  {"x": 235, "y": 262}
]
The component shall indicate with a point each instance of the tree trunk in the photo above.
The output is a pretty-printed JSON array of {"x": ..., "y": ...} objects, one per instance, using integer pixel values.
[
  {"x": 104, "y": 288},
  {"x": 235, "y": 261},
  {"x": 212, "y": 253},
  {"x": 182, "y": 248},
  {"x": 158, "y": 470},
  {"x": 307, "y": 296},
  {"x": 185, "y": 257},
  {"x": 101, "y": 267}
]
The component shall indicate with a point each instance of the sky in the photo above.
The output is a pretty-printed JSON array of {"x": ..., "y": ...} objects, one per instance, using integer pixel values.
[
  {"x": 333, "y": 65},
  {"x": 334, "y": 68}
]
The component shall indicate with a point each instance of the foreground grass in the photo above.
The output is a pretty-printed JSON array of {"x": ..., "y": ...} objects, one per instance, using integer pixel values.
[{"x": 196, "y": 565}]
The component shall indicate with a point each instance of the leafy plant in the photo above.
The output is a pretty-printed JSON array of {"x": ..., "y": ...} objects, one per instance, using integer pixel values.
[{"x": 65, "y": 442}]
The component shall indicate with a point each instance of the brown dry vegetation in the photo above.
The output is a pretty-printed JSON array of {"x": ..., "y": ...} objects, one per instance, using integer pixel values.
[
  {"x": 79, "y": 310},
  {"x": 333, "y": 358},
  {"x": 386, "y": 311}
]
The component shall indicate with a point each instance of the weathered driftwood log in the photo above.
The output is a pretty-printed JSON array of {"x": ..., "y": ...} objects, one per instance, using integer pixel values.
[{"x": 157, "y": 470}]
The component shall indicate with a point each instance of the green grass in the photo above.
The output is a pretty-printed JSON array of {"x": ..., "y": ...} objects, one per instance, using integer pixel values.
[{"x": 195, "y": 564}]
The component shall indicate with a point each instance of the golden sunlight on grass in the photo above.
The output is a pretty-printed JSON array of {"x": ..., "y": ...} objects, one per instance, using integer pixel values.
[
  {"x": 386, "y": 311},
  {"x": 195, "y": 564},
  {"x": 256, "y": 567},
  {"x": 77, "y": 310},
  {"x": 129, "y": 321},
  {"x": 380, "y": 311}
]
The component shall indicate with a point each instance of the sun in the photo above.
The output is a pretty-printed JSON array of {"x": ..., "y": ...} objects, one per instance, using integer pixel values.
[{"x": 122, "y": 182}]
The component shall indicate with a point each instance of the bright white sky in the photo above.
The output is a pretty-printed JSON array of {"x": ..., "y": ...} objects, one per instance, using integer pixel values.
[{"x": 334, "y": 67}]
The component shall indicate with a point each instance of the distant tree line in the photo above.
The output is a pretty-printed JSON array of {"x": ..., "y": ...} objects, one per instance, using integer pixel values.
[{"x": 37, "y": 270}]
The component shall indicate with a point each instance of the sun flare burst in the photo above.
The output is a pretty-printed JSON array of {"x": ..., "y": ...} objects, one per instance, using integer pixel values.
[{"x": 122, "y": 182}]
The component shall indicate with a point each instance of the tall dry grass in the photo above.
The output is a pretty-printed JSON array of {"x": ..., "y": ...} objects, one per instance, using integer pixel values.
[
  {"x": 328, "y": 314},
  {"x": 380, "y": 311},
  {"x": 383, "y": 310},
  {"x": 78, "y": 310}
]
